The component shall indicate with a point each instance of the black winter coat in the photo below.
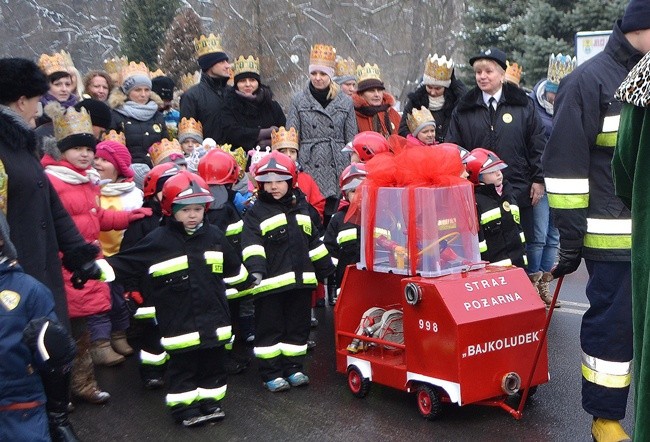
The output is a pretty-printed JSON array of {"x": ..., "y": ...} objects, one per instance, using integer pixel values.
[
  {"x": 204, "y": 102},
  {"x": 420, "y": 97},
  {"x": 516, "y": 135},
  {"x": 243, "y": 117},
  {"x": 343, "y": 241},
  {"x": 40, "y": 225}
]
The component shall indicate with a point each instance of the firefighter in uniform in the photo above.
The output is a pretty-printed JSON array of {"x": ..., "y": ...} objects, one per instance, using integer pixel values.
[{"x": 593, "y": 223}]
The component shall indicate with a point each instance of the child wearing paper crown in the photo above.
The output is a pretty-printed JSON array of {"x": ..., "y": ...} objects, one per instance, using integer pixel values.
[
  {"x": 422, "y": 126},
  {"x": 68, "y": 165}
]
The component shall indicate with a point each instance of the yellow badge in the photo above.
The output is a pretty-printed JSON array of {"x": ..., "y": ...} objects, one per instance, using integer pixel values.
[
  {"x": 507, "y": 118},
  {"x": 9, "y": 299},
  {"x": 157, "y": 128},
  {"x": 506, "y": 206},
  {"x": 217, "y": 268}
]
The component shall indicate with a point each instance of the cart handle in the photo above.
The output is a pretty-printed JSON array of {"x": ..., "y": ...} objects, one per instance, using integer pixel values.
[{"x": 370, "y": 339}]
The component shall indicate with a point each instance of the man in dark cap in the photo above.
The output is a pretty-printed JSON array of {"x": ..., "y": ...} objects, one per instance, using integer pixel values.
[{"x": 596, "y": 225}]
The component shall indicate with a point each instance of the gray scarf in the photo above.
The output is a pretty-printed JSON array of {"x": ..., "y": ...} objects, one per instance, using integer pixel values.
[{"x": 140, "y": 112}]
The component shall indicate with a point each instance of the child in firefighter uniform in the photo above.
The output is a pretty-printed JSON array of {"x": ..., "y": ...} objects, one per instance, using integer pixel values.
[
  {"x": 138, "y": 291},
  {"x": 501, "y": 238},
  {"x": 189, "y": 262},
  {"x": 282, "y": 250}
]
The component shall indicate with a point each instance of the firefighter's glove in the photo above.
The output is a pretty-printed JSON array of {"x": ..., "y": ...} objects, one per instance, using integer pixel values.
[
  {"x": 568, "y": 262},
  {"x": 258, "y": 278},
  {"x": 99, "y": 270},
  {"x": 49, "y": 342},
  {"x": 133, "y": 300}
]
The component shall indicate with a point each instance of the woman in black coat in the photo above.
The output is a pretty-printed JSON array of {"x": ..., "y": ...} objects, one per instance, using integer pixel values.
[{"x": 250, "y": 113}]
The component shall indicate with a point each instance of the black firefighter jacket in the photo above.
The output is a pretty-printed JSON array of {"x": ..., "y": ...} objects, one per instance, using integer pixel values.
[
  {"x": 204, "y": 102},
  {"x": 343, "y": 241}
]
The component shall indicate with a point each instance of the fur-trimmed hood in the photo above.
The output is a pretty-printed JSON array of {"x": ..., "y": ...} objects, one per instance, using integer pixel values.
[
  {"x": 512, "y": 95},
  {"x": 117, "y": 98}
]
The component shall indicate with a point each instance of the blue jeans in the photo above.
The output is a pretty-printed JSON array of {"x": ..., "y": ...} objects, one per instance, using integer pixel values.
[{"x": 542, "y": 246}]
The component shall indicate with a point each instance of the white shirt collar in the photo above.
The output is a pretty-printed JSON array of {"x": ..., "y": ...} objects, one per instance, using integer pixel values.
[{"x": 497, "y": 96}]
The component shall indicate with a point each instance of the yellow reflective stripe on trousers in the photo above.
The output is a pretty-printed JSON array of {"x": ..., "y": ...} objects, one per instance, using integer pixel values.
[
  {"x": 215, "y": 260},
  {"x": 173, "y": 399},
  {"x": 608, "y": 233},
  {"x": 237, "y": 279},
  {"x": 304, "y": 221},
  {"x": 145, "y": 313},
  {"x": 522, "y": 236},
  {"x": 309, "y": 278},
  {"x": 147, "y": 358},
  {"x": 318, "y": 253},
  {"x": 169, "y": 266},
  {"x": 235, "y": 228},
  {"x": 346, "y": 235},
  {"x": 273, "y": 223},
  {"x": 293, "y": 350},
  {"x": 253, "y": 250},
  {"x": 182, "y": 341},
  {"x": 606, "y": 139},
  {"x": 606, "y": 373},
  {"x": 212, "y": 393},
  {"x": 270, "y": 352},
  {"x": 490, "y": 215}
]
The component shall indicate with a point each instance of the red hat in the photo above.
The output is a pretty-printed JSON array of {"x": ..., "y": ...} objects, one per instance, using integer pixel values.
[{"x": 118, "y": 155}]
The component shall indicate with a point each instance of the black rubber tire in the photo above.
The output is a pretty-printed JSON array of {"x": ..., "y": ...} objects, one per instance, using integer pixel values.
[
  {"x": 359, "y": 386},
  {"x": 428, "y": 400}
]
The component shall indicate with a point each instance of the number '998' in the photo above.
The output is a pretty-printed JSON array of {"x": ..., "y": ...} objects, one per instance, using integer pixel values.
[{"x": 428, "y": 325}]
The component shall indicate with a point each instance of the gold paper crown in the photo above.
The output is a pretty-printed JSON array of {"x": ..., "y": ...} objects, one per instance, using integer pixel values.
[
  {"x": 559, "y": 66},
  {"x": 68, "y": 122},
  {"x": 157, "y": 73},
  {"x": 163, "y": 149},
  {"x": 513, "y": 73},
  {"x": 284, "y": 139},
  {"x": 240, "y": 157},
  {"x": 207, "y": 45},
  {"x": 53, "y": 63},
  {"x": 190, "y": 126},
  {"x": 368, "y": 72},
  {"x": 242, "y": 65},
  {"x": 190, "y": 79},
  {"x": 132, "y": 69},
  {"x": 438, "y": 70},
  {"x": 345, "y": 67},
  {"x": 114, "y": 66},
  {"x": 324, "y": 55},
  {"x": 67, "y": 58},
  {"x": 418, "y": 117},
  {"x": 113, "y": 135}
]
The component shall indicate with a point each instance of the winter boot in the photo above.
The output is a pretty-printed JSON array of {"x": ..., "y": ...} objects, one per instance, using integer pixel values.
[
  {"x": 56, "y": 384},
  {"x": 103, "y": 354},
  {"x": 543, "y": 288},
  {"x": 332, "y": 293},
  {"x": 120, "y": 344},
  {"x": 84, "y": 385},
  {"x": 606, "y": 430}
]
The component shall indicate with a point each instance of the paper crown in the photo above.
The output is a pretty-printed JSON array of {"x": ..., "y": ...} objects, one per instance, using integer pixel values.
[
  {"x": 68, "y": 121},
  {"x": 190, "y": 126},
  {"x": 113, "y": 135},
  {"x": 284, "y": 139},
  {"x": 207, "y": 45},
  {"x": 114, "y": 66},
  {"x": 242, "y": 65},
  {"x": 368, "y": 72},
  {"x": 324, "y": 55},
  {"x": 345, "y": 67},
  {"x": 132, "y": 69},
  {"x": 559, "y": 66},
  {"x": 164, "y": 149},
  {"x": 56, "y": 62},
  {"x": 240, "y": 157},
  {"x": 438, "y": 70},
  {"x": 157, "y": 73},
  {"x": 513, "y": 73},
  {"x": 67, "y": 58},
  {"x": 417, "y": 118},
  {"x": 190, "y": 79}
]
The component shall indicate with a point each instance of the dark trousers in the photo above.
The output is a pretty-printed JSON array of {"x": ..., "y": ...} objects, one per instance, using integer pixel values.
[
  {"x": 200, "y": 371},
  {"x": 117, "y": 319},
  {"x": 606, "y": 333},
  {"x": 153, "y": 358},
  {"x": 282, "y": 319}
]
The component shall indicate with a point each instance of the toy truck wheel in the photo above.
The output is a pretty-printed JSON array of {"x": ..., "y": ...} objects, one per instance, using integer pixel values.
[
  {"x": 359, "y": 386},
  {"x": 428, "y": 401}
]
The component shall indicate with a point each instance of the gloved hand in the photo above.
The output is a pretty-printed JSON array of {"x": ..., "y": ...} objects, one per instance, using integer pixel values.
[
  {"x": 133, "y": 300},
  {"x": 258, "y": 278},
  {"x": 140, "y": 213},
  {"x": 90, "y": 270},
  {"x": 265, "y": 133},
  {"x": 569, "y": 261},
  {"x": 50, "y": 342}
]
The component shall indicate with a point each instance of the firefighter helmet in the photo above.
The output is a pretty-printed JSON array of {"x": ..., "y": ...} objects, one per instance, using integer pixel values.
[
  {"x": 218, "y": 167},
  {"x": 185, "y": 188},
  {"x": 483, "y": 161},
  {"x": 367, "y": 144},
  {"x": 160, "y": 172},
  {"x": 352, "y": 176},
  {"x": 465, "y": 155},
  {"x": 276, "y": 166}
]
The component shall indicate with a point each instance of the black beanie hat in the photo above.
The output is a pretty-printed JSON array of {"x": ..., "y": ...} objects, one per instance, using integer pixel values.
[
  {"x": 164, "y": 87},
  {"x": 100, "y": 113},
  {"x": 77, "y": 140},
  {"x": 637, "y": 16},
  {"x": 208, "y": 60},
  {"x": 21, "y": 77},
  {"x": 243, "y": 75}
]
